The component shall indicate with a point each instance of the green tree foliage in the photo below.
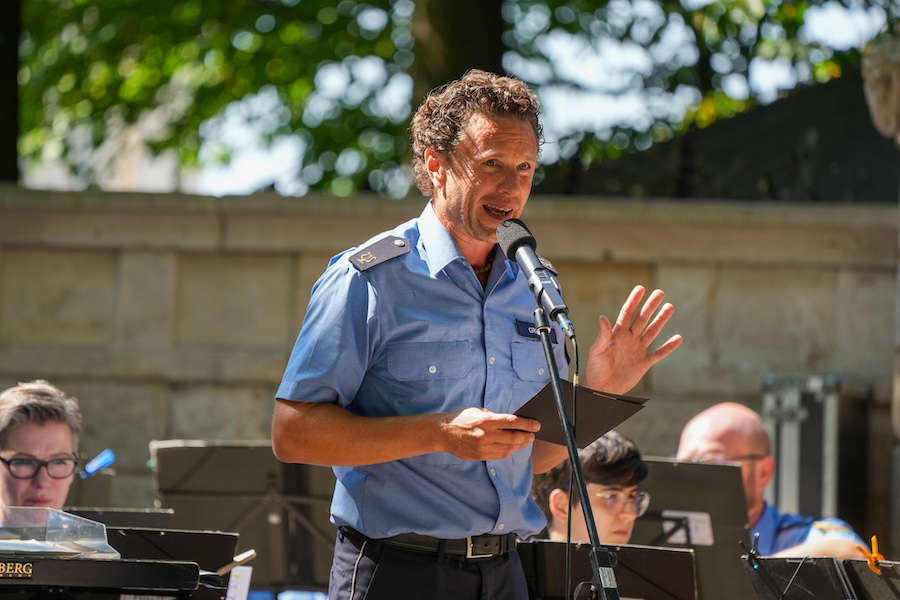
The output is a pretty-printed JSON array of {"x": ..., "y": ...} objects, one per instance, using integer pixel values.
[
  {"x": 696, "y": 49},
  {"x": 89, "y": 68}
]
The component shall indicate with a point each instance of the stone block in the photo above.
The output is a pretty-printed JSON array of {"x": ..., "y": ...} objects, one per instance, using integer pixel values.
[
  {"x": 241, "y": 300},
  {"x": 684, "y": 241},
  {"x": 755, "y": 321},
  {"x": 216, "y": 412},
  {"x": 182, "y": 363},
  {"x": 120, "y": 416},
  {"x": 591, "y": 290},
  {"x": 58, "y": 296},
  {"x": 146, "y": 298},
  {"x": 307, "y": 270},
  {"x": 65, "y": 227},
  {"x": 329, "y": 233},
  {"x": 864, "y": 336},
  {"x": 689, "y": 289},
  {"x": 657, "y": 428}
]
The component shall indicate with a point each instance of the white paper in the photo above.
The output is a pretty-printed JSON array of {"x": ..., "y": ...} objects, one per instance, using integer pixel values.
[
  {"x": 699, "y": 524},
  {"x": 239, "y": 583}
]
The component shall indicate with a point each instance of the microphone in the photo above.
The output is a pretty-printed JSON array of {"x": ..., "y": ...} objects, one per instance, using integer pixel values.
[{"x": 519, "y": 246}]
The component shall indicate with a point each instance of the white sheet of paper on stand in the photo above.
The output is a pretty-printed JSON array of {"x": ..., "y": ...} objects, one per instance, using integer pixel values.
[
  {"x": 239, "y": 583},
  {"x": 699, "y": 525}
]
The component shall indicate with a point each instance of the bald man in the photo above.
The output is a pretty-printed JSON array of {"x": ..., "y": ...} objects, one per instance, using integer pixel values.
[{"x": 730, "y": 432}]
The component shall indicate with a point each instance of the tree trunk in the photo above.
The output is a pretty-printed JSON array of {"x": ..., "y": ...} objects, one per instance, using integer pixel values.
[
  {"x": 10, "y": 23},
  {"x": 453, "y": 37}
]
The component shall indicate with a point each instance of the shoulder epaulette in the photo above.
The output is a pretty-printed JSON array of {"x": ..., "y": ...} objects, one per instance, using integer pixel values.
[
  {"x": 547, "y": 264},
  {"x": 380, "y": 251},
  {"x": 830, "y": 526}
]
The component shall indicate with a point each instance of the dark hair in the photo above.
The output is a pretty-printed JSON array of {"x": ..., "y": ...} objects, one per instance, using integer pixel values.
[
  {"x": 37, "y": 402},
  {"x": 610, "y": 460},
  {"x": 446, "y": 111}
]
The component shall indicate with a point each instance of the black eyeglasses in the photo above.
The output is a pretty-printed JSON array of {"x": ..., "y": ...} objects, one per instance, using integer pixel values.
[{"x": 27, "y": 468}]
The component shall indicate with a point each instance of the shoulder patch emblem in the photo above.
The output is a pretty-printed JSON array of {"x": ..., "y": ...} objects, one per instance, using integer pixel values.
[{"x": 380, "y": 251}]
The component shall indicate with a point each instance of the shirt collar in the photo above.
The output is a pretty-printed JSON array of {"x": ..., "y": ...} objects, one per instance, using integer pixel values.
[{"x": 440, "y": 248}]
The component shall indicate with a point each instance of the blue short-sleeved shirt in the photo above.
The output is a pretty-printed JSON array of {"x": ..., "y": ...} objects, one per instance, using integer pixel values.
[
  {"x": 779, "y": 531},
  {"x": 418, "y": 334}
]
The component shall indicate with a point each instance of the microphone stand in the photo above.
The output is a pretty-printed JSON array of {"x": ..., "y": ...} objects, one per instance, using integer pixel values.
[{"x": 604, "y": 579}]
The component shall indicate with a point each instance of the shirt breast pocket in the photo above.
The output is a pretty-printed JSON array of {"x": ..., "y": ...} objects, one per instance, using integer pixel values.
[
  {"x": 427, "y": 361},
  {"x": 528, "y": 361}
]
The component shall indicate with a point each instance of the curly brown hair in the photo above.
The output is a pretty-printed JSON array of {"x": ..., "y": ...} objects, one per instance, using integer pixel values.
[
  {"x": 445, "y": 112},
  {"x": 612, "y": 459}
]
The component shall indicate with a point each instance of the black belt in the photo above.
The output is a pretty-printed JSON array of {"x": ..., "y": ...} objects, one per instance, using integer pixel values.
[{"x": 474, "y": 546}]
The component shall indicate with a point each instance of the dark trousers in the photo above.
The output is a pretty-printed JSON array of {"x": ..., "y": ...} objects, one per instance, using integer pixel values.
[{"x": 369, "y": 569}]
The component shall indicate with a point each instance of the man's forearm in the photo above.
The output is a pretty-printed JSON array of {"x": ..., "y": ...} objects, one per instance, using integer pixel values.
[
  {"x": 839, "y": 548},
  {"x": 545, "y": 456},
  {"x": 326, "y": 434}
]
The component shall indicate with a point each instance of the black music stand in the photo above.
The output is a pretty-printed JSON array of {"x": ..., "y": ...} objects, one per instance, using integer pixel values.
[
  {"x": 280, "y": 510},
  {"x": 641, "y": 571},
  {"x": 805, "y": 578},
  {"x": 701, "y": 507},
  {"x": 870, "y": 585},
  {"x": 159, "y": 518},
  {"x": 209, "y": 549}
]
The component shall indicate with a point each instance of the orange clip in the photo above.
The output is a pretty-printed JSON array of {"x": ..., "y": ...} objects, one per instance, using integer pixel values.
[{"x": 873, "y": 557}]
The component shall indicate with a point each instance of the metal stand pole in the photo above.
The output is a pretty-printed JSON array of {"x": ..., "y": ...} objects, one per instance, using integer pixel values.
[{"x": 604, "y": 578}]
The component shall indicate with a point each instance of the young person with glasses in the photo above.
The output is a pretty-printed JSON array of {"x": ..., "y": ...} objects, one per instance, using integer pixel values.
[
  {"x": 613, "y": 470},
  {"x": 39, "y": 427}
]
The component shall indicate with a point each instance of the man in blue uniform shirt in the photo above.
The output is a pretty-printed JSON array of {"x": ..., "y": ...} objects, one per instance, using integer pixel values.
[
  {"x": 734, "y": 433},
  {"x": 416, "y": 350}
]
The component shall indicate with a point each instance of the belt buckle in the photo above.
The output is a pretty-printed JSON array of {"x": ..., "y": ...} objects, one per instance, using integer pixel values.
[{"x": 469, "y": 550}]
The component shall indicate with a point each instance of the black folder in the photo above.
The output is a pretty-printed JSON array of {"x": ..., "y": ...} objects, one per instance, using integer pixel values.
[{"x": 597, "y": 412}]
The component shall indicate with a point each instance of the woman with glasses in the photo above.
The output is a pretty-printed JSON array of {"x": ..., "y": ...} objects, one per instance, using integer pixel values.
[
  {"x": 39, "y": 427},
  {"x": 613, "y": 470}
]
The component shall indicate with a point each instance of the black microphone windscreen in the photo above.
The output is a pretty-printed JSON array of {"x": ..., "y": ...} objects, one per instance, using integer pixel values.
[{"x": 512, "y": 234}]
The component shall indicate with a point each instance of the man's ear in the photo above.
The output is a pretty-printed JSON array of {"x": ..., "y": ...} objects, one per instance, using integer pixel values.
[
  {"x": 559, "y": 505},
  {"x": 765, "y": 470},
  {"x": 434, "y": 165}
]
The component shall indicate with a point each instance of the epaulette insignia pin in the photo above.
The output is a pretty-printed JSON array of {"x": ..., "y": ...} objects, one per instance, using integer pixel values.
[
  {"x": 827, "y": 526},
  {"x": 380, "y": 251}
]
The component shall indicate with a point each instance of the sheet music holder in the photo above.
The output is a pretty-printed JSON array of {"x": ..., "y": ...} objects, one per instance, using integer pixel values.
[
  {"x": 280, "y": 510},
  {"x": 159, "y": 518},
  {"x": 870, "y": 585},
  {"x": 209, "y": 549},
  {"x": 598, "y": 412},
  {"x": 806, "y": 578},
  {"x": 641, "y": 571},
  {"x": 701, "y": 507}
]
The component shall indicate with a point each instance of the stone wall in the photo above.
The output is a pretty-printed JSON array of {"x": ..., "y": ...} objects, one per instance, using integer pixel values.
[{"x": 172, "y": 316}]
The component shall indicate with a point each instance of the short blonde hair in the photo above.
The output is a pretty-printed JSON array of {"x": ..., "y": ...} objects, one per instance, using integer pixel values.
[{"x": 37, "y": 402}]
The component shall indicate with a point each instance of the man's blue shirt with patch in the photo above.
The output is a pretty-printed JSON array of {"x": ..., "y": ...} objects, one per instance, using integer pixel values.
[
  {"x": 418, "y": 334},
  {"x": 779, "y": 531}
]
